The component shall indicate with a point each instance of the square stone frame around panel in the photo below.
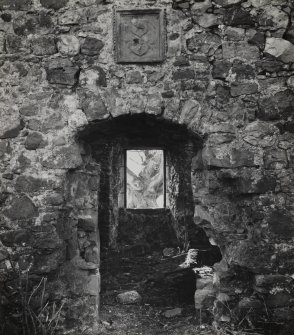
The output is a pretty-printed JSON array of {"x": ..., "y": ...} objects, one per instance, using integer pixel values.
[{"x": 139, "y": 35}]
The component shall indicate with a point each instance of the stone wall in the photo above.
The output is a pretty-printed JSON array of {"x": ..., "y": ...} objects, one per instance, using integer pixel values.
[{"x": 228, "y": 77}]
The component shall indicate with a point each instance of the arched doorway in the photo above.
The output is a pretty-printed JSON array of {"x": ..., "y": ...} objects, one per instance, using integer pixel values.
[{"x": 145, "y": 250}]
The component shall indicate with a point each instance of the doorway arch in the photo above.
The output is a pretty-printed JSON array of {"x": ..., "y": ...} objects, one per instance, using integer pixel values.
[{"x": 140, "y": 233}]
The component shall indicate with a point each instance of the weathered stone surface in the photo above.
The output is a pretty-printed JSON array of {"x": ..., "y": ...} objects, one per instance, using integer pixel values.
[
  {"x": 29, "y": 184},
  {"x": 23, "y": 162},
  {"x": 62, "y": 72},
  {"x": 234, "y": 33},
  {"x": 290, "y": 83},
  {"x": 47, "y": 243},
  {"x": 68, "y": 45},
  {"x": 91, "y": 46},
  {"x": 201, "y": 7},
  {"x": 53, "y": 121},
  {"x": 289, "y": 35},
  {"x": 130, "y": 297},
  {"x": 277, "y": 106},
  {"x": 260, "y": 133},
  {"x": 16, "y": 44},
  {"x": 43, "y": 45},
  {"x": 184, "y": 74},
  {"x": 15, "y": 237},
  {"x": 271, "y": 280},
  {"x": 81, "y": 264},
  {"x": 226, "y": 3},
  {"x": 221, "y": 69},
  {"x": 154, "y": 104},
  {"x": 29, "y": 109},
  {"x": 34, "y": 124},
  {"x": 223, "y": 93},
  {"x": 181, "y": 61},
  {"x": 134, "y": 77},
  {"x": 249, "y": 182},
  {"x": 54, "y": 199},
  {"x": 268, "y": 66},
  {"x": 15, "y": 4},
  {"x": 87, "y": 224},
  {"x": 189, "y": 111},
  {"x": 168, "y": 94},
  {"x": 45, "y": 264},
  {"x": 241, "y": 50},
  {"x": 92, "y": 255},
  {"x": 281, "y": 223},
  {"x": 93, "y": 285},
  {"x": 205, "y": 297},
  {"x": 203, "y": 282},
  {"x": 207, "y": 20},
  {"x": 258, "y": 39},
  {"x": 6, "y": 17},
  {"x": 181, "y": 5},
  {"x": 279, "y": 299},
  {"x": 68, "y": 157},
  {"x": 243, "y": 253},
  {"x": 21, "y": 208},
  {"x": 79, "y": 189},
  {"x": 262, "y": 3},
  {"x": 46, "y": 238},
  {"x": 2, "y": 42},
  {"x": 243, "y": 88},
  {"x": 21, "y": 69},
  {"x": 273, "y": 18},
  {"x": 174, "y": 45},
  {"x": 70, "y": 17},
  {"x": 281, "y": 49},
  {"x": 275, "y": 159},
  {"x": 93, "y": 106},
  {"x": 54, "y": 4},
  {"x": 204, "y": 44},
  {"x": 3, "y": 255},
  {"x": 171, "y": 313},
  {"x": 11, "y": 123},
  {"x": 237, "y": 16},
  {"x": 25, "y": 25},
  {"x": 93, "y": 78},
  {"x": 3, "y": 197},
  {"x": 4, "y": 148},
  {"x": 33, "y": 141},
  {"x": 169, "y": 252},
  {"x": 225, "y": 157},
  {"x": 242, "y": 71}
]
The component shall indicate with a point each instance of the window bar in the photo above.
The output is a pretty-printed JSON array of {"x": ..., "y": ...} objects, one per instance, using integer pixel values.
[
  {"x": 125, "y": 178},
  {"x": 164, "y": 179}
]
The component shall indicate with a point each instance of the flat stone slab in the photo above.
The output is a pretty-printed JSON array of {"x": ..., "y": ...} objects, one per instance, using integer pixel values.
[
  {"x": 130, "y": 297},
  {"x": 171, "y": 313}
]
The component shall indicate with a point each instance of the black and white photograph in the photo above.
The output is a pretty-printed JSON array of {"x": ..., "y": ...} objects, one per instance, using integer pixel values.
[{"x": 146, "y": 167}]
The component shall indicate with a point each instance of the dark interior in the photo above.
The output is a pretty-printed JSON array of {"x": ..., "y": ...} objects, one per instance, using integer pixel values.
[{"x": 133, "y": 241}]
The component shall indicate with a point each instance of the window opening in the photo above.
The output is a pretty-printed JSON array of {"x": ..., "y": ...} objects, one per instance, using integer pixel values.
[{"x": 145, "y": 179}]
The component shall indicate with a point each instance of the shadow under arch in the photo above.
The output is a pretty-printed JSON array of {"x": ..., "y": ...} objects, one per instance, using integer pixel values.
[{"x": 149, "y": 127}]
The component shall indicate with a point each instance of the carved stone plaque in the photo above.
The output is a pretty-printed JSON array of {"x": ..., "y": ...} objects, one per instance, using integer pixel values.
[{"x": 139, "y": 35}]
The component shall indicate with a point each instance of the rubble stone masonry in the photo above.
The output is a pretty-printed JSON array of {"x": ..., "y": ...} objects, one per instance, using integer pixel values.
[{"x": 228, "y": 76}]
